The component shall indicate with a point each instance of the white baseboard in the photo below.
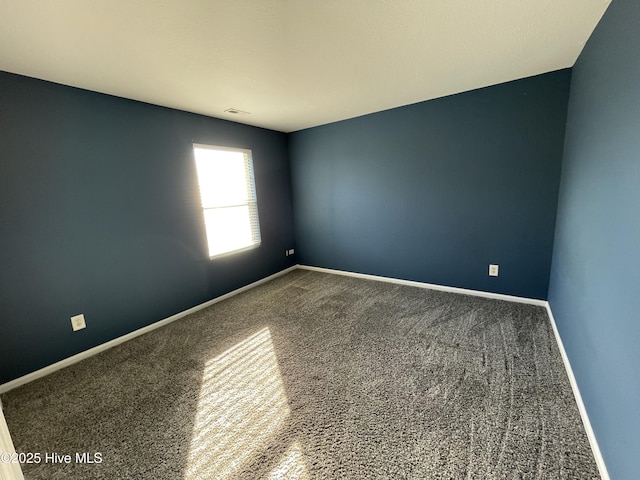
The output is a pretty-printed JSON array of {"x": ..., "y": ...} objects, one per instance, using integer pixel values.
[
  {"x": 602, "y": 468},
  {"x": 5, "y": 387},
  {"x": 430, "y": 286}
]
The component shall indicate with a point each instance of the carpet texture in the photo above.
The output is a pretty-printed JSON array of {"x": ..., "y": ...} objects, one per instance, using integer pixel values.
[{"x": 317, "y": 376}]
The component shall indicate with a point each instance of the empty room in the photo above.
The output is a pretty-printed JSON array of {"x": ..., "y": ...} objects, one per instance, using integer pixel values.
[{"x": 295, "y": 239}]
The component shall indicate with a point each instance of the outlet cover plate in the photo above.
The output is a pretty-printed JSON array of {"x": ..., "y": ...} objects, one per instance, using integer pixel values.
[
  {"x": 493, "y": 270},
  {"x": 78, "y": 323}
]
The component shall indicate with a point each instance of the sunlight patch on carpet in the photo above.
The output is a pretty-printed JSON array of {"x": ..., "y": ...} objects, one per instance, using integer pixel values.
[
  {"x": 292, "y": 465},
  {"x": 242, "y": 404}
]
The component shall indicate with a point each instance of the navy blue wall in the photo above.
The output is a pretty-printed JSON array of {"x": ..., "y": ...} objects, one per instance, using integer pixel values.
[
  {"x": 595, "y": 279},
  {"x": 436, "y": 191},
  {"x": 100, "y": 215}
]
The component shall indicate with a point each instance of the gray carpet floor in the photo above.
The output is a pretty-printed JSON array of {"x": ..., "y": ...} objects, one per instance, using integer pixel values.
[{"x": 317, "y": 376}]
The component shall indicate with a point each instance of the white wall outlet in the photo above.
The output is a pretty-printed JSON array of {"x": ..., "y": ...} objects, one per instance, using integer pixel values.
[
  {"x": 291, "y": 251},
  {"x": 77, "y": 322},
  {"x": 493, "y": 270}
]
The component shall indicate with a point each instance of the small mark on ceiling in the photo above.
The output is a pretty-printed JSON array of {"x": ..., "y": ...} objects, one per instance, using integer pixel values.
[{"x": 237, "y": 111}]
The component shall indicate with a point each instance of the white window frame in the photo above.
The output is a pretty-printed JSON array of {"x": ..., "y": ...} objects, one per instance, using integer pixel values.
[{"x": 251, "y": 203}]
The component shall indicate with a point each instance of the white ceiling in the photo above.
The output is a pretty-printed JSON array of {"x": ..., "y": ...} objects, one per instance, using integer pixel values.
[{"x": 291, "y": 63}]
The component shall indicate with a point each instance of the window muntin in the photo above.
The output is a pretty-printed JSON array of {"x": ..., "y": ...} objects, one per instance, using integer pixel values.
[{"x": 228, "y": 195}]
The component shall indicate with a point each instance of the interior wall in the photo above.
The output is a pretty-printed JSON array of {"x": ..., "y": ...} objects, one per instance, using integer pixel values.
[
  {"x": 595, "y": 278},
  {"x": 436, "y": 191},
  {"x": 100, "y": 215}
]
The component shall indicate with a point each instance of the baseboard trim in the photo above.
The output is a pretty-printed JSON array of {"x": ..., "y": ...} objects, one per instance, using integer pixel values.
[
  {"x": 602, "y": 468},
  {"x": 430, "y": 286},
  {"x": 5, "y": 387}
]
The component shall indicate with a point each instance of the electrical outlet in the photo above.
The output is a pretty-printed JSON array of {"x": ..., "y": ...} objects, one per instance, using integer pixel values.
[
  {"x": 78, "y": 323},
  {"x": 493, "y": 270},
  {"x": 291, "y": 251}
]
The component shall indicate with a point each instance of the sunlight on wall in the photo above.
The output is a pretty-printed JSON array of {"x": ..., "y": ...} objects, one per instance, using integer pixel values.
[{"x": 241, "y": 406}]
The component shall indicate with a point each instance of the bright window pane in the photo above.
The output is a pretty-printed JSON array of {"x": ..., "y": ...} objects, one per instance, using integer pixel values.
[
  {"x": 228, "y": 229},
  {"x": 223, "y": 177},
  {"x": 228, "y": 198}
]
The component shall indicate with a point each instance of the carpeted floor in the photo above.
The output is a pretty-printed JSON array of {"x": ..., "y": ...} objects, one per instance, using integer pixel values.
[{"x": 317, "y": 376}]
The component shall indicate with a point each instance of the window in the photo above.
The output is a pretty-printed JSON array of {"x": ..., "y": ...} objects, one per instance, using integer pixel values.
[{"x": 228, "y": 197}]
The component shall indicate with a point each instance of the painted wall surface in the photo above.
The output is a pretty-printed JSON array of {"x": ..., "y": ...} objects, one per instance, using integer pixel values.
[
  {"x": 100, "y": 214},
  {"x": 595, "y": 278},
  {"x": 436, "y": 191}
]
